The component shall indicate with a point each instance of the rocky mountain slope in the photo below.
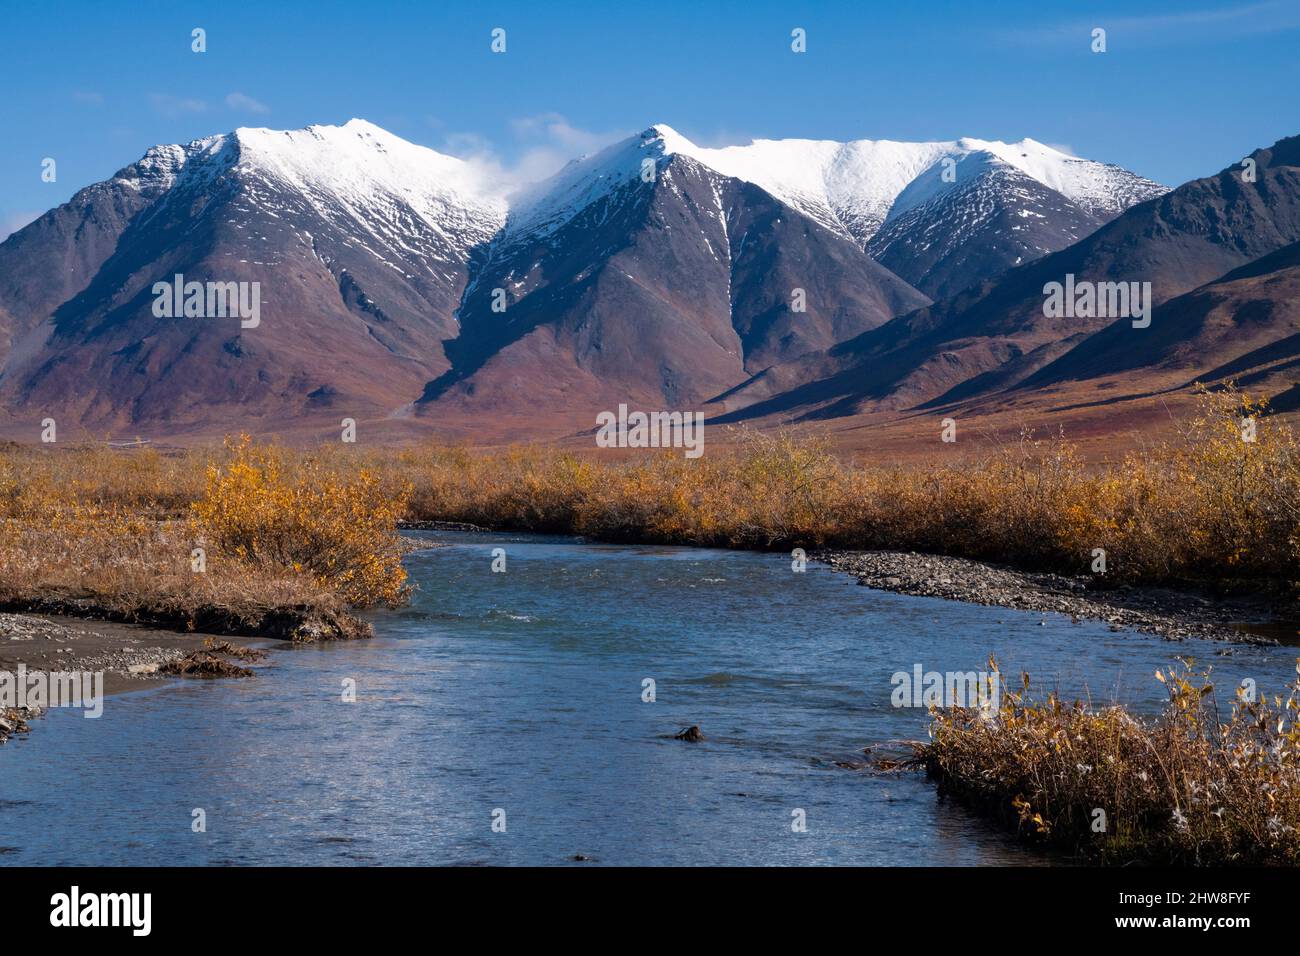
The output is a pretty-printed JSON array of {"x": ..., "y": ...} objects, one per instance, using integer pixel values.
[
  {"x": 997, "y": 334},
  {"x": 394, "y": 281}
]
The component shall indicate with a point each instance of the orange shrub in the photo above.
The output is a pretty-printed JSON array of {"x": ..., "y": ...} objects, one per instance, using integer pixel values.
[{"x": 272, "y": 512}]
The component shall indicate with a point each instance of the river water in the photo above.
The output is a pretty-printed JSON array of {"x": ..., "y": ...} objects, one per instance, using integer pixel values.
[{"x": 517, "y": 697}]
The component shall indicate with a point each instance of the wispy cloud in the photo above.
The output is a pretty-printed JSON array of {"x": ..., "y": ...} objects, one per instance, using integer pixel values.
[
  {"x": 90, "y": 97},
  {"x": 14, "y": 221},
  {"x": 553, "y": 128},
  {"x": 1271, "y": 16},
  {"x": 173, "y": 106},
  {"x": 245, "y": 103},
  {"x": 544, "y": 143}
]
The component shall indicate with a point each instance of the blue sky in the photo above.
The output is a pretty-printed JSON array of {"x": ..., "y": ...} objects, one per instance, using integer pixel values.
[{"x": 1183, "y": 89}]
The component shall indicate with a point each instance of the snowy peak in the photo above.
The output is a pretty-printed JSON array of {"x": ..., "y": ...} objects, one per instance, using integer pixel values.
[
  {"x": 856, "y": 186},
  {"x": 666, "y": 139},
  {"x": 944, "y": 236},
  {"x": 362, "y": 172},
  {"x": 848, "y": 187},
  {"x": 161, "y": 167},
  {"x": 1100, "y": 188},
  {"x": 852, "y": 188},
  {"x": 356, "y": 173},
  {"x": 545, "y": 207},
  {"x": 359, "y": 157}
]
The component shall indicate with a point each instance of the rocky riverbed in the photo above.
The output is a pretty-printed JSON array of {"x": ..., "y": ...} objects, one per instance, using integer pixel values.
[
  {"x": 1169, "y": 613},
  {"x": 129, "y": 656}
]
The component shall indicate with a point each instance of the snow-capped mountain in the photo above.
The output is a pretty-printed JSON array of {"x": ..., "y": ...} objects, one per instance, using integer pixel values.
[
  {"x": 655, "y": 267},
  {"x": 941, "y": 215},
  {"x": 358, "y": 240},
  {"x": 855, "y": 187},
  {"x": 392, "y": 194},
  {"x": 643, "y": 272},
  {"x": 996, "y": 336},
  {"x": 992, "y": 218}
]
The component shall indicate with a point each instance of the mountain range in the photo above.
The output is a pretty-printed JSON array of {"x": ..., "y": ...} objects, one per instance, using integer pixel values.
[
  {"x": 784, "y": 280},
  {"x": 995, "y": 336}
]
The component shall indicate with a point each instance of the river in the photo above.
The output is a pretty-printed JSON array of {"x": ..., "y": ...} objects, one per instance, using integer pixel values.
[{"x": 518, "y": 697}]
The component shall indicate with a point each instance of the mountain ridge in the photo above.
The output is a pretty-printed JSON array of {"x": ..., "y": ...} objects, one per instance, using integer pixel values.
[
  {"x": 994, "y": 334},
  {"x": 377, "y": 255}
]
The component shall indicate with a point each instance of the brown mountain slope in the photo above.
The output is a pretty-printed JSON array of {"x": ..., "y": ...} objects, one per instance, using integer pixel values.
[
  {"x": 359, "y": 266},
  {"x": 54, "y": 258},
  {"x": 663, "y": 292},
  {"x": 994, "y": 335},
  {"x": 1245, "y": 326}
]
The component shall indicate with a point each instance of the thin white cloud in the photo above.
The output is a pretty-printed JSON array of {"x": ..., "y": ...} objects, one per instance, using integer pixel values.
[
  {"x": 467, "y": 145},
  {"x": 241, "y": 101},
  {"x": 545, "y": 142},
  {"x": 554, "y": 129},
  {"x": 91, "y": 97},
  {"x": 1271, "y": 16},
  {"x": 172, "y": 106}
]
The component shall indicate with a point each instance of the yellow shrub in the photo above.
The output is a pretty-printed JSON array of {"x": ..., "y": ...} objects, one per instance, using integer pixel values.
[
  {"x": 1210, "y": 507},
  {"x": 271, "y": 513},
  {"x": 1188, "y": 787}
]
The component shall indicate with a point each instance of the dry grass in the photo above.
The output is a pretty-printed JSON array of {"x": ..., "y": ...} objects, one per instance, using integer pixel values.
[
  {"x": 1188, "y": 787},
  {"x": 1209, "y": 508},
  {"x": 314, "y": 530},
  {"x": 239, "y": 542},
  {"x": 226, "y": 649}
]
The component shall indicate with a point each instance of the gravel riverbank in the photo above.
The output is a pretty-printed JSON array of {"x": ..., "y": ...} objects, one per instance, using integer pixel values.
[
  {"x": 1172, "y": 614},
  {"x": 129, "y": 656}
]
